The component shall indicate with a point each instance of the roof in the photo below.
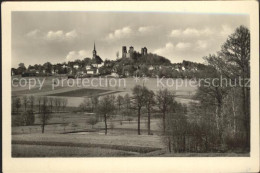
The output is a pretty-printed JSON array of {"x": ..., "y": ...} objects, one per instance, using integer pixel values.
[{"x": 97, "y": 60}]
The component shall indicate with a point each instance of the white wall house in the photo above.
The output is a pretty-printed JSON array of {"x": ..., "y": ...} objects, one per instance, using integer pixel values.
[
  {"x": 114, "y": 74},
  {"x": 90, "y": 72},
  {"x": 76, "y": 66},
  {"x": 88, "y": 67},
  {"x": 151, "y": 68}
]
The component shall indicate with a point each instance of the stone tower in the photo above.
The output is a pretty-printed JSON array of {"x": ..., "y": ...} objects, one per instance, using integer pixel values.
[
  {"x": 142, "y": 51},
  {"x": 124, "y": 52},
  {"x": 145, "y": 51}
]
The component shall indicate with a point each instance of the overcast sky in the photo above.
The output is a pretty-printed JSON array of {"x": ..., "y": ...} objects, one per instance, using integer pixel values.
[{"x": 38, "y": 37}]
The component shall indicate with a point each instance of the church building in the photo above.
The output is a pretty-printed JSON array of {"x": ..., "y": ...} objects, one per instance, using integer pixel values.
[{"x": 96, "y": 60}]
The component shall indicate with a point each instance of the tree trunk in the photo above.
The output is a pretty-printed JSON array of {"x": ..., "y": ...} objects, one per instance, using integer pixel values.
[
  {"x": 234, "y": 112},
  {"x": 105, "y": 118},
  {"x": 163, "y": 122},
  {"x": 139, "y": 118},
  {"x": 169, "y": 144},
  {"x": 39, "y": 107},
  {"x": 149, "y": 121},
  {"x": 247, "y": 117},
  {"x": 43, "y": 128}
]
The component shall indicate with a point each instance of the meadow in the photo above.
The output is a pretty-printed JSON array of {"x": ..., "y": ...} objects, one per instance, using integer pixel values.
[{"x": 68, "y": 133}]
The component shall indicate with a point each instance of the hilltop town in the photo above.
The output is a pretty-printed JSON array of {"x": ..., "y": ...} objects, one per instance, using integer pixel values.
[{"x": 131, "y": 63}]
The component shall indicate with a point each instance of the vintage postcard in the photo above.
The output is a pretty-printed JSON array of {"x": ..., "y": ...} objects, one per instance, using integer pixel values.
[{"x": 103, "y": 86}]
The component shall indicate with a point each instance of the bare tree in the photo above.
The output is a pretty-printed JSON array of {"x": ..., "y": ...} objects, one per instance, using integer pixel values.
[
  {"x": 106, "y": 107},
  {"x": 64, "y": 103},
  {"x": 17, "y": 104},
  {"x": 28, "y": 117},
  {"x": 25, "y": 102},
  {"x": 31, "y": 102},
  {"x": 39, "y": 100},
  {"x": 51, "y": 102},
  {"x": 57, "y": 102}
]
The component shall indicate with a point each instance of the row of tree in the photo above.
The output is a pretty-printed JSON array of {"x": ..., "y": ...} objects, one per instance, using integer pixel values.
[
  {"x": 44, "y": 106},
  {"x": 33, "y": 104},
  {"x": 142, "y": 101}
]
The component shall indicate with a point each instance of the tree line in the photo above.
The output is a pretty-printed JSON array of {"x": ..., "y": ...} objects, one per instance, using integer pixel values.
[{"x": 25, "y": 108}]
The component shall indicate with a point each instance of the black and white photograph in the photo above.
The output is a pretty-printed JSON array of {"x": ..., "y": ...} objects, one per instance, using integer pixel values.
[{"x": 130, "y": 84}]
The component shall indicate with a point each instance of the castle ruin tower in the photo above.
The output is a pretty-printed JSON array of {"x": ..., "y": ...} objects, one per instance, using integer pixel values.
[
  {"x": 145, "y": 50},
  {"x": 142, "y": 51},
  {"x": 124, "y": 52},
  {"x": 131, "y": 51}
]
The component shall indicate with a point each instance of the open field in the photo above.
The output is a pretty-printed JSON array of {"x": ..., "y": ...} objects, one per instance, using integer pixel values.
[
  {"x": 81, "y": 92},
  {"x": 64, "y": 151},
  {"x": 76, "y": 93},
  {"x": 77, "y": 122},
  {"x": 91, "y": 142},
  {"x": 68, "y": 133}
]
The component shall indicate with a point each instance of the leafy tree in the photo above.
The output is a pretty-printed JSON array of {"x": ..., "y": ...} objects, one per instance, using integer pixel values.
[
  {"x": 164, "y": 100},
  {"x": 138, "y": 102},
  {"x": 127, "y": 105},
  {"x": 85, "y": 104},
  {"x": 106, "y": 107},
  {"x": 176, "y": 128},
  {"x": 119, "y": 101},
  {"x": 236, "y": 52},
  {"x": 149, "y": 100},
  {"x": 94, "y": 102},
  {"x": 211, "y": 91},
  {"x": 48, "y": 67},
  {"x": 21, "y": 65},
  {"x": 92, "y": 121},
  {"x": 45, "y": 113},
  {"x": 233, "y": 62}
]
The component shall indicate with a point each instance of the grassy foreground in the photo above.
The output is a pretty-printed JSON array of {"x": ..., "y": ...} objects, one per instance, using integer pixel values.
[{"x": 65, "y": 151}]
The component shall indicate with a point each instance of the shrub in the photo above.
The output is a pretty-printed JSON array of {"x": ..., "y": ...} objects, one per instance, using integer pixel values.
[
  {"x": 92, "y": 121},
  {"x": 17, "y": 120}
]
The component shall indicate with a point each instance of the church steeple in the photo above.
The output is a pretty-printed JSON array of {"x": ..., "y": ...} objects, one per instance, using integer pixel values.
[{"x": 94, "y": 51}]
